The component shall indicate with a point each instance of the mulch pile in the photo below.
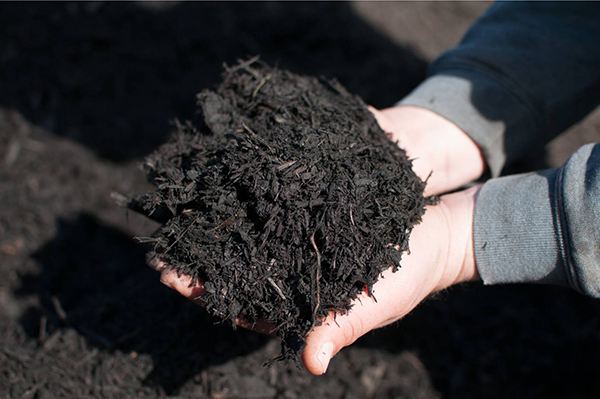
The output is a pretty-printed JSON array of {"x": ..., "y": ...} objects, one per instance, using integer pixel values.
[{"x": 284, "y": 197}]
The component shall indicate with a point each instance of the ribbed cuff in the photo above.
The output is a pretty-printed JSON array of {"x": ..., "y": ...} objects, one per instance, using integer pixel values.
[
  {"x": 482, "y": 107},
  {"x": 516, "y": 231}
]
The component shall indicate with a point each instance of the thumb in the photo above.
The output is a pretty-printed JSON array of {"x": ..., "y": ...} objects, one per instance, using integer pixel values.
[
  {"x": 384, "y": 122},
  {"x": 335, "y": 333}
]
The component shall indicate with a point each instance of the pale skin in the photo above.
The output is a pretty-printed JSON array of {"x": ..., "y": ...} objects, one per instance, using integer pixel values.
[{"x": 441, "y": 246}]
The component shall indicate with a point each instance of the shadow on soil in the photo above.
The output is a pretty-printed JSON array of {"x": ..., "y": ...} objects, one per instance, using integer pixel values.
[
  {"x": 112, "y": 76},
  {"x": 503, "y": 342},
  {"x": 93, "y": 279},
  {"x": 526, "y": 342}
]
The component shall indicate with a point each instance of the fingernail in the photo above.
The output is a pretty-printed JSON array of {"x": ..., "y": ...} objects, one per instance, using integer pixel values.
[
  {"x": 155, "y": 262},
  {"x": 324, "y": 355}
]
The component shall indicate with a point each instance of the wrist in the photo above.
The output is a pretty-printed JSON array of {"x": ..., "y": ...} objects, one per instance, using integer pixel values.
[
  {"x": 437, "y": 147},
  {"x": 459, "y": 263}
]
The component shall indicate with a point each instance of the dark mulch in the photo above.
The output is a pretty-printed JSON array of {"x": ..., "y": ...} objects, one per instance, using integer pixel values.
[{"x": 284, "y": 197}]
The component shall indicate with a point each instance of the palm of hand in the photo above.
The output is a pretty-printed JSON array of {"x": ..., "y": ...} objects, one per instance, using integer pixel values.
[{"x": 422, "y": 272}]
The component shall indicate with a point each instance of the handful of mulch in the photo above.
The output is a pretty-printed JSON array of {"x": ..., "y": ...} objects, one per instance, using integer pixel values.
[{"x": 284, "y": 197}]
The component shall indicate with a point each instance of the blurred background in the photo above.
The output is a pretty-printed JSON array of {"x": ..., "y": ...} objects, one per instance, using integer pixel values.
[{"x": 88, "y": 89}]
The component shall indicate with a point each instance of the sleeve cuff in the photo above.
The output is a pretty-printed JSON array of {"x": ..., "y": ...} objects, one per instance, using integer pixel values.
[{"x": 516, "y": 231}]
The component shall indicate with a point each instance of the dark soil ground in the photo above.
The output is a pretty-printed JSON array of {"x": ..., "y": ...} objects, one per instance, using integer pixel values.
[{"x": 88, "y": 89}]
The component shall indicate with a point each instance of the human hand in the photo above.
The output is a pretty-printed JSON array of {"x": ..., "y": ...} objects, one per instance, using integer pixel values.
[
  {"x": 194, "y": 290},
  {"x": 441, "y": 255},
  {"x": 437, "y": 146}
]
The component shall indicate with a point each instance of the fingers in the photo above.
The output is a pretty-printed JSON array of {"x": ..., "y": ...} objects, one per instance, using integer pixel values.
[
  {"x": 155, "y": 262},
  {"x": 335, "y": 332},
  {"x": 181, "y": 284},
  {"x": 395, "y": 298},
  {"x": 384, "y": 122},
  {"x": 261, "y": 326}
]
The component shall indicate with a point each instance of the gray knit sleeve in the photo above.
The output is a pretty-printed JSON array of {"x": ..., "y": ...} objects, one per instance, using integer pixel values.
[
  {"x": 542, "y": 227},
  {"x": 523, "y": 73}
]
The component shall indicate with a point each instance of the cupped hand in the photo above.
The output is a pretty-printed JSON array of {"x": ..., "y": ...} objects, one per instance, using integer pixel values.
[
  {"x": 441, "y": 151},
  {"x": 441, "y": 255},
  {"x": 441, "y": 246},
  {"x": 194, "y": 290}
]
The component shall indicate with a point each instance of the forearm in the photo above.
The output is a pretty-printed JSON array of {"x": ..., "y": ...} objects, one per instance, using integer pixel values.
[{"x": 522, "y": 74}]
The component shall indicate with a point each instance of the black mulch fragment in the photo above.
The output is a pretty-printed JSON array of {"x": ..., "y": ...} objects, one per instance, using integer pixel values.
[{"x": 284, "y": 197}]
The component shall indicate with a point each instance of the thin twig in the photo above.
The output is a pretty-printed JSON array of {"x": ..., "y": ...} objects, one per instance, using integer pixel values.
[
  {"x": 60, "y": 312},
  {"x": 243, "y": 65},
  {"x": 42, "y": 330},
  {"x": 276, "y": 288},
  {"x": 312, "y": 241},
  {"x": 248, "y": 129},
  {"x": 286, "y": 165},
  {"x": 182, "y": 234},
  {"x": 260, "y": 85}
]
